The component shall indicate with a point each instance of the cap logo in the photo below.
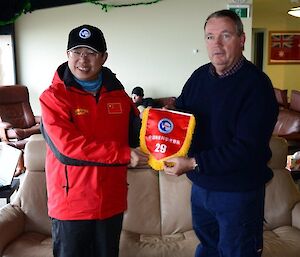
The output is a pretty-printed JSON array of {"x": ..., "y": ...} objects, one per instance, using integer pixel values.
[{"x": 84, "y": 33}]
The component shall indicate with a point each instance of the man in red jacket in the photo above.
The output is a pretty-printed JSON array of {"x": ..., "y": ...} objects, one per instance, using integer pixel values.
[{"x": 89, "y": 124}]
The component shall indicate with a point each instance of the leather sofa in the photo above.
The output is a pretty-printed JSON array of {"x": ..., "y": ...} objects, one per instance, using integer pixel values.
[
  {"x": 158, "y": 220},
  {"x": 288, "y": 121}
]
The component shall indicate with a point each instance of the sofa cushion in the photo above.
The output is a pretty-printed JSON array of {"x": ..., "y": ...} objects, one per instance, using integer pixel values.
[
  {"x": 143, "y": 202},
  {"x": 30, "y": 244},
  {"x": 31, "y": 194},
  {"x": 282, "y": 242},
  {"x": 11, "y": 225},
  {"x": 279, "y": 149},
  {"x": 176, "y": 245},
  {"x": 175, "y": 195},
  {"x": 281, "y": 195},
  {"x": 32, "y": 160},
  {"x": 155, "y": 196}
]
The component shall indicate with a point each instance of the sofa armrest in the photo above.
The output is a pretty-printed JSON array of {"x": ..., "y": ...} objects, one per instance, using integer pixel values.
[
  {"x": 5, "y": 125},
  {"x": 292, "y": 136},
  {"x": 12, "y": 221},
  {"x": 296, "y": 215}
]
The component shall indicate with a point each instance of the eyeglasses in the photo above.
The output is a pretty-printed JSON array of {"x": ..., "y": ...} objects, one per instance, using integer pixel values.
[{"x": 89, "y": 54}]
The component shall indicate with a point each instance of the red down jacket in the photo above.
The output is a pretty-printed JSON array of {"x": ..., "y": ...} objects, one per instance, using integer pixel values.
[{"x": 88, "y": 149}]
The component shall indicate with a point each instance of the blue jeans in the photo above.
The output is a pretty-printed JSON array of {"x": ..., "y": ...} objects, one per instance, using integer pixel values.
[{"x": 228, "y": 224}]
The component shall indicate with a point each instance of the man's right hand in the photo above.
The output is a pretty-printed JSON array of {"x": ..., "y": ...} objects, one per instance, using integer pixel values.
[
  {"x": 177, "y": 166},
  {"x": 138, "y": 158}
]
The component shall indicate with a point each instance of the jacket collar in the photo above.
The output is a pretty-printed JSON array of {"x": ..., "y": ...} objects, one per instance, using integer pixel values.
[{"x": 109, "y": 80}]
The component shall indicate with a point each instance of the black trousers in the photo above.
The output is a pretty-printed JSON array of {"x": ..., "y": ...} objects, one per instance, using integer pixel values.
[{"x": 87, "y": 238}]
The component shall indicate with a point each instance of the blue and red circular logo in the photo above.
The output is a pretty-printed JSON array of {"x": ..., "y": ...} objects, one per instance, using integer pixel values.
[
  {"x": 84, "y": 33},
  {"x": 165, "y": 126}
]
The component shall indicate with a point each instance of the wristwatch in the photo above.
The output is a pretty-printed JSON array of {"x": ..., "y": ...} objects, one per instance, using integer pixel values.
[{"x": 195, "y": 165}]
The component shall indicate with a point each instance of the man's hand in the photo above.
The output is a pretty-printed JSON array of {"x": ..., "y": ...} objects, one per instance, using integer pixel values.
[
  {"x": 138, "y": 158},
  {"x": 177, "y": 166}
]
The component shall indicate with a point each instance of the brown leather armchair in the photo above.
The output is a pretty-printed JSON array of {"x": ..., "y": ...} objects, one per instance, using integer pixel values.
[
  {"x": 17, "y": 121},
  {"x": 288, "y": 121},
  {"x": 164, "y": 102}
]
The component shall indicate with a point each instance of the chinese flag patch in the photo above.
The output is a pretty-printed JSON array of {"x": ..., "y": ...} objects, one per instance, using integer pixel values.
[{"x": 114, "y": 108}]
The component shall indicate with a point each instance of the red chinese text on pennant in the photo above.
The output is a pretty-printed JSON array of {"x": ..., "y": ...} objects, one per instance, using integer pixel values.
[{"x": 165, "y": 134}]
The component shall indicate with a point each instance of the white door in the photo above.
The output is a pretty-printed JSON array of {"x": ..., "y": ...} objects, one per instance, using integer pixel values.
[{"x": 7, "y": 67}]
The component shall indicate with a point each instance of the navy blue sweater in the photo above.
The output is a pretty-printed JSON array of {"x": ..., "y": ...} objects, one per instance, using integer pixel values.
[{"x": 235, "y": 117}]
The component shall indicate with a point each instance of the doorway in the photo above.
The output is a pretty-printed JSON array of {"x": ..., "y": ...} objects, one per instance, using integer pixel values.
[
  {"x": 7, "y": 66},
  {"x": 258, "y": 47},
  {"x": 7, "y": 55}
]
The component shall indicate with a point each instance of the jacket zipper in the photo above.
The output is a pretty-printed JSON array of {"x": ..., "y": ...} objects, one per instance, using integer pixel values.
[{"x": 67, "y": 181}]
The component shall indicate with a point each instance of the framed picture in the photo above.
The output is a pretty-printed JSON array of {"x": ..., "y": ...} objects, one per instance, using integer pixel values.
[{"x": 284, "y": 47}]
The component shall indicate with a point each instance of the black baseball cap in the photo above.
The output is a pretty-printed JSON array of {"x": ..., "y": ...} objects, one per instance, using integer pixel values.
[{"x": 87, "y": 36}]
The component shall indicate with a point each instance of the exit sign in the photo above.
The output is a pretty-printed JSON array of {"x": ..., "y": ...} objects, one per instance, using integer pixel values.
[{"x": 241, "y": 10}]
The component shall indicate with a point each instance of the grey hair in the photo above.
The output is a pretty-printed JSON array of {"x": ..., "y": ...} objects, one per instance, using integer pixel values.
[{"x": 231, "y": 15}]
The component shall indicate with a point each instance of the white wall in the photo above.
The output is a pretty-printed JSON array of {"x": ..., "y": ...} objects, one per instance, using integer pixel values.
[{"x": 150, "y": 46}]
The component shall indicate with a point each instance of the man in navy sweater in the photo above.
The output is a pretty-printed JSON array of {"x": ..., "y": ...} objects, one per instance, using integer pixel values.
[{"x": 235, "y": 110}]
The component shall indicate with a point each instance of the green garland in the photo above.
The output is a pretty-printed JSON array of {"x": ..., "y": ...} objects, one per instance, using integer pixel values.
[
  {"x": 106, "y": 7},
  {"x": 26, "y": 8}
]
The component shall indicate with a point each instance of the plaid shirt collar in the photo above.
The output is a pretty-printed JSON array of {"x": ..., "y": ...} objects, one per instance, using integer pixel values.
[{"x": 231, "y": 71}]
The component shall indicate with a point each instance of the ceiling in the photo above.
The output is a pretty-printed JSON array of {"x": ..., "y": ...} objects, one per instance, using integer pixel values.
[{"x": 274, "y": 7}]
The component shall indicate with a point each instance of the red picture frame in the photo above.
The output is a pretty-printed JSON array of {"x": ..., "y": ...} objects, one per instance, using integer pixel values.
[{"x": 284, "y": 47}]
